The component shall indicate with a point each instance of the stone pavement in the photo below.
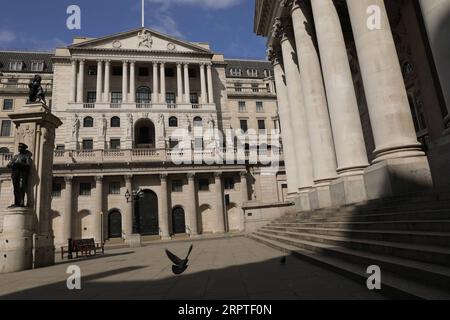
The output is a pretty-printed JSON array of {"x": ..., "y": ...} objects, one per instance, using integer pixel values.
[{"x": 231, "y": 268}]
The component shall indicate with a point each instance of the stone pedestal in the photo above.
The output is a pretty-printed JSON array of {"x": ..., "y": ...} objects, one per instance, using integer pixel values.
[
  {"x": 303, "y": 200},
  {"x": 348, "y": 190},
  {"x": 16, "y": 240},
  {"x": 27, "y": 239},
  {"x": 320, "y": 196},
  {"x": 396, "y": 177}
]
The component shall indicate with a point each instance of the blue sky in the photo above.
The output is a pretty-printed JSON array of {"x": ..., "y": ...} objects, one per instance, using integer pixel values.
[{"x": 226, "y": 24}]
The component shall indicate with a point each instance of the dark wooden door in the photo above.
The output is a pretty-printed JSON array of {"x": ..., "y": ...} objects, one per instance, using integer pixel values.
[
  {"x": 178, "y": 221},
  {"x": 115, "y": 225}
]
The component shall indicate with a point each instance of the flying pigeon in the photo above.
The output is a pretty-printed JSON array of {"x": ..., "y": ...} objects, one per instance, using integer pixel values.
[
  {"x": 179, "y": 266},
  {"x": 283, "y": 261}
]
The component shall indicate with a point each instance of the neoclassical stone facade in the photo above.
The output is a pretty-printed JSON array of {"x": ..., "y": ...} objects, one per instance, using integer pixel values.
[
  {"x": 360, "y": 101},
  {"x": 131, "y": 106}
]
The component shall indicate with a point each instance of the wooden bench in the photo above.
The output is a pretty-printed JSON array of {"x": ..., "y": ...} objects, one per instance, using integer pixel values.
[{"x": 85, "y": 247}]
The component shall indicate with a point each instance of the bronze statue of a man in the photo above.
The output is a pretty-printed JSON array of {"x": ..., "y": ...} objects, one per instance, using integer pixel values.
[
  {"x": 20, "y": 165},
  {"x": 36, "y": 93}
]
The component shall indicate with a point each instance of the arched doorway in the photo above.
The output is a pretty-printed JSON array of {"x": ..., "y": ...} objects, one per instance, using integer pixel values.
[
  {"x": 178, "y": 220},
  {"x": 206, "y": 219},
  {"x": 114, "y": 224},
  {"x": 144, "y": 134},
  {"x": 146, "y": 214},
  {"x": 234, "y": 217}
]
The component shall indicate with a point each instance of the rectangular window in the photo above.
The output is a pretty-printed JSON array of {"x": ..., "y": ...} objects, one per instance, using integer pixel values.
[
  {"x": 259, "y": 106},
  {"x": 37, "y": 66},
  {"x": 192, "y": 73},
  {"x": 194, "y": 98},
  {"x": 244, "y": 125},
  {"x": 170, "y": 72},
  {"x": 242, "y": 106},
  {"x": 255, "y": 88},
  {"x": 117, "y": 71},
  {"x": 8, "y": 104},
  {"x": 56, "y": 190},
  {"x": 228, "y": 183},
  {"x": 91, "y": 97},
  {"x": 170, "y": 98},
  {"x": 203, "y": 184},
  {"x": 238, "y": 87},
  {"x": 114, "y": 187},
  {"x": 60, "y": 147},
  {"x": 85, "y": 189},
  {"x": 116, "y": 97},
  {"x": 92, "y": 70},
  {"x": 143, "y": 72},
  {"x": 16, "y": 66},
  {"x": 88, "y": 144},
  {"x": 252, "y": 73},
  {"x": 177, "y": 186},
  {"x": 262, "y": 124},
  {"x": 114, "y": 144},
  {"x": 6, "y": 128}
]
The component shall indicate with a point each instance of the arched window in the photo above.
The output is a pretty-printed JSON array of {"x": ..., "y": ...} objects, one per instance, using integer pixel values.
[
  {"x": 143, "y": 95},
  {"x": 4, "y": 150},
  {"x": 198, "y": 122},
  {"x": 88, "y": 122},
  {"x": 115, "y": 122},
  {"x": 173, "y": 122}
]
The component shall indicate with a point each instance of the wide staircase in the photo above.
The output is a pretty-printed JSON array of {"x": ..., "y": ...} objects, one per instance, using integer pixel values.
[{"x": 407, "y": 237}]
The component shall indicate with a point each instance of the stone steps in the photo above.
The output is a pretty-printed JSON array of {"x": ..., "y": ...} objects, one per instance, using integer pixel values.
[
  {"x": 401, "y": 225},
  {"x": 401, "y": 278},
  {"x": 410, "y": 237}
]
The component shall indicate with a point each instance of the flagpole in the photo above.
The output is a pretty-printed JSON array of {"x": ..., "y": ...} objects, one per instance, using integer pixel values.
[{"x": 143, "y": 15}]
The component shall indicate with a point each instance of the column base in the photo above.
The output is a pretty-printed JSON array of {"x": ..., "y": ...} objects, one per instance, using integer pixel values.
[
  {"x": 166, "y": 238},
  {"x": 133, "y": 240},
  {"x": 16, "y": 240},
  {"x": 320, "y": 197},
  {"x": 44, "y": 250},
  {"x": 396, "y": 177},
  {"x": 303, "y": 202},
  {"x": 348, "y": 190}
]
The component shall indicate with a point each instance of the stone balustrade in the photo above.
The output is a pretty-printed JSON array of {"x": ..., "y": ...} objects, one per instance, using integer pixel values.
[{"x": 140, "y": 106}]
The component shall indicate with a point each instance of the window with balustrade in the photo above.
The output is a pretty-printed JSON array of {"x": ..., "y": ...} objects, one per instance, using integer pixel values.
[
  {"x": 91, "y": 97},
  {"x": 115, "y": 122},
  {"x": 8, "y": 104},
  {"x": 116, "y": 97},
  {"x": 87, "y": 144},
  {"x": 88, "y": 122},
  {"x": 194, "y": 98},
  {"x": 255, "y": 87},
  {"x": 238, "y": 87},
  {"x": 170, "y": 98},
  {"x": 114, "y": 144},
  {"x": 143, "y": 95}
]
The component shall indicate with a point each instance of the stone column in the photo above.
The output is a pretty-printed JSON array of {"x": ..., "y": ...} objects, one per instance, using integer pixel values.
[
  {"x": 162, "y": 68},
  {"x": 179, "y": 83},
  {"x": 107, "y": 93},
  {"x": 164, "y": 209},
  {"x": 435, "y": 15},
  {"x": 155, "y": 94},
  {"x": 287, "y": 131},
  {"x": 187, "y": 89},
  {"x": 125, "y": 82},
  {"x": 400, "y": 164},
  {"x": 98, "y": 214},
  {"x": 99, "y": 81},
  {"x": 192, "y": 205},
  {"x": 210, "y": 84},
  {"x": 203, "y": 84},
  {"x": 128, "y": 216},
  {"x": 298, "y": 118},
  {"x": 318, "y": 119},
  {"x": 132, "y": 82},
  {"x": 343, "y": 107},
  {"x": 73, "y": 83},
  {"x": 80, "y": 84},
  {"x": 220, "y": 215},
  {"x": 67, "y": 215},
  {"x": 245, "y": 199}
]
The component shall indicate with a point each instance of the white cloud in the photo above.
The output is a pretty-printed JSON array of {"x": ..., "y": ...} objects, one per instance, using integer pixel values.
[
  {"x": 167, "y": 25},
  {"x": 7, "y": 37},
  {"x": 207, "y": 4}
]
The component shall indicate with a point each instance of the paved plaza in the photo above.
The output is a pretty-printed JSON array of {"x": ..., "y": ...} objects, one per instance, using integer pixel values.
[{"x": 231, "y": 268}]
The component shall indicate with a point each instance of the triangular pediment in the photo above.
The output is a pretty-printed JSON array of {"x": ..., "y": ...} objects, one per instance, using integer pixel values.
[{"x": 142, "y": 39}]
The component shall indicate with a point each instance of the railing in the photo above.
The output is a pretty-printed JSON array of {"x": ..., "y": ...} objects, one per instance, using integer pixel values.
[
  {"x": 155, "y": 155},
  {"x": 249, "y": 91},
  {"x": 140, "y": 106},
  {"x": 5, "y": 158}
]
